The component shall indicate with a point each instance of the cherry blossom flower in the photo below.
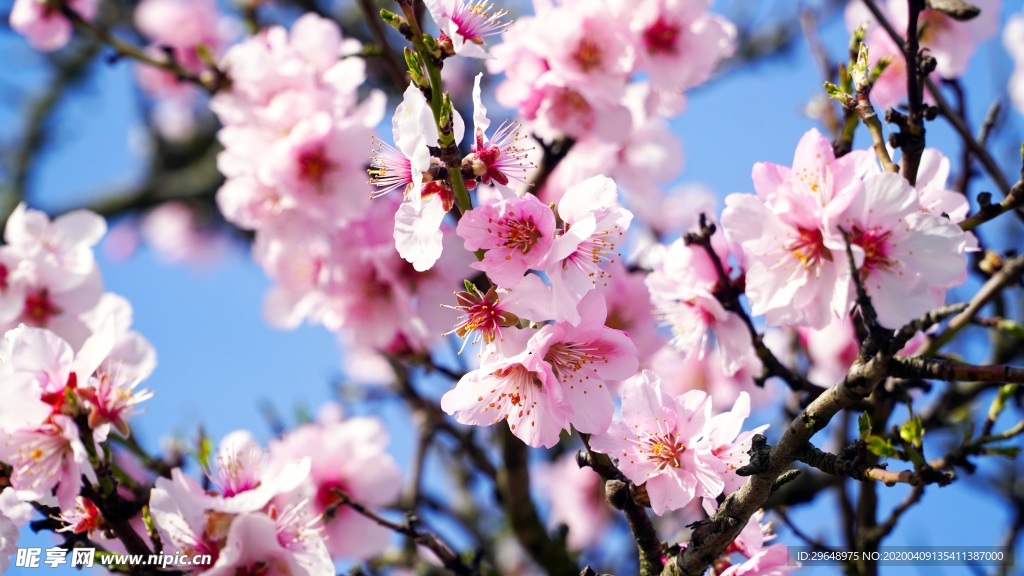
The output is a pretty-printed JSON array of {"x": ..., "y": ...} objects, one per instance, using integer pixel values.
[
  {"x": 683, "y": 283},
  {"x": 501, "y": 157},
  {"x": 566, "y": 69},
  {"x": 348, "y": 455},
  {"x": 693, "y": 372},
  {"x": 466, "y": 23},
  {"x": 418, "y": 236},
  {"x": 790, "y": 254},
  {"x": 516, "y": 233},
  {"x": 177, "y": 505},
  {"x": 65, "y": 243},
  {"x": 680, "y": 42},
  {"x": 243, "y": 477},
  {"x": 589, "y": 50},
  {"x": 44, "y": 26},
  {"x": 558, "y": 380},
  {"x": 255, "y": 542},
  {"x": 658, "y": 443},
  {"x": 48, "y": 460},
  {"x": 903, "y": 255},
  {"x": 84, "y": 518},
  {"x": 594, "y": 226},
  {"x": 758, "y": 559},
  {"x": 487, "y": 316},
  {"x": 728, "y": 444}
]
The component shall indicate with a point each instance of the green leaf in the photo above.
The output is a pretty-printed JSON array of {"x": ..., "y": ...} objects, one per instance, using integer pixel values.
[
  {"x": 863, "y": 426},
  {"x": 881, "y": 447},
  {"x": 205, "y": 449},
  {"x": 912, "y": 432}
]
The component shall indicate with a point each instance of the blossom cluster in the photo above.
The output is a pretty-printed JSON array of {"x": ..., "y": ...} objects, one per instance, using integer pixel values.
[
  {"x": 70, "y": 365},
  {"x": 606, "y": 74},
  {"x": 282, "y": 507},
  {"x": 296, "y": 137}
]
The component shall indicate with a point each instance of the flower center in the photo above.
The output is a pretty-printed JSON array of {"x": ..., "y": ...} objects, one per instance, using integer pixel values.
[
  {"x": 664, "y": 449},
  {"x": 567, "y": 359},
  {"x": 588, "y": 55},
  {"x": 240, "y": 471},
  {"x": 39, "y": 308},
  {"x": 519, "y": 234},
  {"x": 809, "y": 248},
  {"x": 476, "y": 20},
  {"x": 481, "y": 315},
  {"x": 875, "y": 244},
  {"x": 662, "y": 37},
  {"x": 314, "y": 165}
]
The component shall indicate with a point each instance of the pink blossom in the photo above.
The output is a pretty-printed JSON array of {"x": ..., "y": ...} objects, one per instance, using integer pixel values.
[
  {"x": 566, "y": 70},
  {"x": 320, "y": 163},
  {"x": 789, "y": 252},
  {"x": 831, "y": 351},
  {"x": 906, "y": 258},
  {"x": 466, "y": 23},
  {"x": 577, "y": 500},
  {"x": 499, "y": 158},
  {"x": 65, "y": 243},
  {"x": 558, "y": 380},
  {"x": 728, "y": 444},
  {"x": 658, "y": 443},
  {"x": 594, "y": 226},
  {"x": 680, "y": 42},
  {"x": 516, "y": 234},
  {"x": 770, "y": 561},
  {"x": 44, "y": 26},
  {"x": 487, "y": 317},
  {"x": 244, "y": 479},
  {"x": 418, "y": 236},
  {"x": 630, "y": 310},
  {"x": 179, "y": 23},
  {"x": 177, "y": 505},
  {"x": 256, "y": 542},
  {"x": 683, "y": 283},
  {"x": 84, "y": 518},
  {"x": 47, "y": 460},
  {"x": 588, "y": 48},
  {"x": 693, "y": 372},
  {"x": 347, "y": 455}
]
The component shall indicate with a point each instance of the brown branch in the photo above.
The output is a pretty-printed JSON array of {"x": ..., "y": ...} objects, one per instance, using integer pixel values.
[
  {"x": 622, "y": 495},
  {"x": 428, "y": 539},
  {"x": 210, "y": 79},
  {"x": 1010, "y": 272},
  {"x": 931, "y": 368},
  {"x": 514, "y": 487}
]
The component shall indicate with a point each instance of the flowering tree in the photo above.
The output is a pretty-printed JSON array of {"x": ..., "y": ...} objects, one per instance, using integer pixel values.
[{"x": 599, "y": 366}]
